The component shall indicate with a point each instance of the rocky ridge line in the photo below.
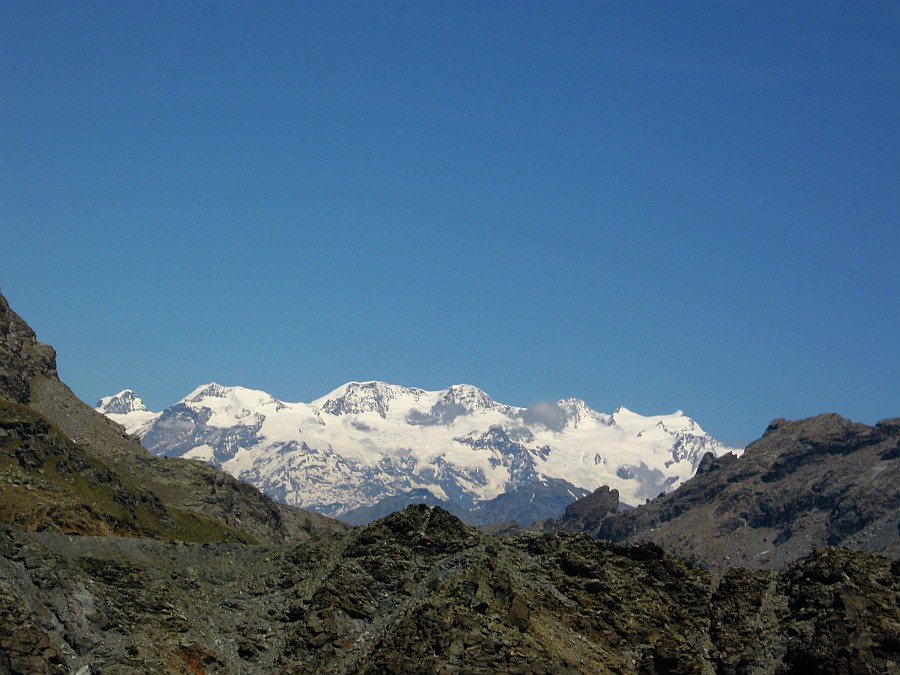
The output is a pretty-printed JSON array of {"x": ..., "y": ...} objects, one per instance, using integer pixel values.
[{"x": 822, "y": 480}]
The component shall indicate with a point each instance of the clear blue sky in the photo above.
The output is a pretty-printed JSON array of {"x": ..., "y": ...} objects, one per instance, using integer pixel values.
[{"x": 661, "y": 206}]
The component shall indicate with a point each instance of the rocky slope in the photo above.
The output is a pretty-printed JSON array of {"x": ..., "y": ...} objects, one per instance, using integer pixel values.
[
  {"x": 46, "y": 481},
  {"x": 421, "y": 592},
  {"x": 822, "y": 480},
  {"x": 65, "y": 466},
  {"x": 367, "y": 442}
]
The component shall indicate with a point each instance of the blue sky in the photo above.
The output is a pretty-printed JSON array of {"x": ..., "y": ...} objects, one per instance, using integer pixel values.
[{"x": 673, "y": 205}]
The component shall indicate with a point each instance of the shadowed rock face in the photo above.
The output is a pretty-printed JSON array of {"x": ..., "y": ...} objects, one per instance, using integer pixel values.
[{"x": 822, "y": 480}]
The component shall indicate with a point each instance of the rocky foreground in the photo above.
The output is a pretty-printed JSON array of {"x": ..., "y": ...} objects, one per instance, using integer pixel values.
[{"x": 421, "y": 592}]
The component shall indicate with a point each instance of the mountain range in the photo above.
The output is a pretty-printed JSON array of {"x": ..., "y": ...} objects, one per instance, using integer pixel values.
[
  {"x": 367, "y": 442},
  {"x": 116, "y": 561}
]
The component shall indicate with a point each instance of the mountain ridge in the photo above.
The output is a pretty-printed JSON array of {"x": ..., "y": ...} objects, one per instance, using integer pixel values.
[
  {"x": 367, "y": 441},
  {"x": 804, "y": 483}
]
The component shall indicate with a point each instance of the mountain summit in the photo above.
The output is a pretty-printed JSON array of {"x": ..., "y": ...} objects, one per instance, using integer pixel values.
[
  {"x": 368, "y": 441},
  {"x": 123, "y": 403}
]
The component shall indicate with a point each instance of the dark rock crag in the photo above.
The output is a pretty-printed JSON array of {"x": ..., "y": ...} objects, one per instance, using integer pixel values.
[{"x": 22, "y": 357}]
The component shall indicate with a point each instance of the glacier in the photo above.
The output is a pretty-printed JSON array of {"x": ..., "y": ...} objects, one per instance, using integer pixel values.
[{"x": 368, "y": 441}]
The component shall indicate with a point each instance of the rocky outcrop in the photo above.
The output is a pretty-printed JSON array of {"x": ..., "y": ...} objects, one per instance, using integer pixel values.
[
  {"x": 819, "y": 481},
  {"x": 363, "y": 515},
  {"x": 595, "y": 506},
  {"x": 22, "y": 357}
]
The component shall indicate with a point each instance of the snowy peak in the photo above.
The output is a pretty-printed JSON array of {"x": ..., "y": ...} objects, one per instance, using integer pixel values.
[
  {"x": 126, "y": 401},
  {"x": 226, "y": 406},
  {"x": 127, "y": 409},
  {"x": 578, "y": 412},
  {"x": 211, "y": 390},
  {"x": 356, "y": 398},
  {"x": 468, "y": 398},
  {"x": 216, "y": 396},
  {"x": 366, "y": 441},
  {"x": 674, "y": 424},
  {"x": 415, "y": 406}
]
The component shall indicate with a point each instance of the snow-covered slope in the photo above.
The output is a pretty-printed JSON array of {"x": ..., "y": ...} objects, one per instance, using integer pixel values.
[{"x": 365, "y": 441}]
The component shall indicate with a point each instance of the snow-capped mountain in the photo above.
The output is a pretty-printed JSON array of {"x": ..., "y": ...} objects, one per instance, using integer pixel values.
[
  {"x": 127, "y": 409},
  {"x": 366, "y": 441}
]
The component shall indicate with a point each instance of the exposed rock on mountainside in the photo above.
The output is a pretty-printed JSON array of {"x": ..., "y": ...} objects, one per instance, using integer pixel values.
[
  {"x": 589, "y": 512},
  {"x": 65, "y": 466},
  {"x": 822, "y": 480},
  {"x": 50, "y": 483},
  {"x": 22, "y": 357},
  {"x": 420, "y": 592}
]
